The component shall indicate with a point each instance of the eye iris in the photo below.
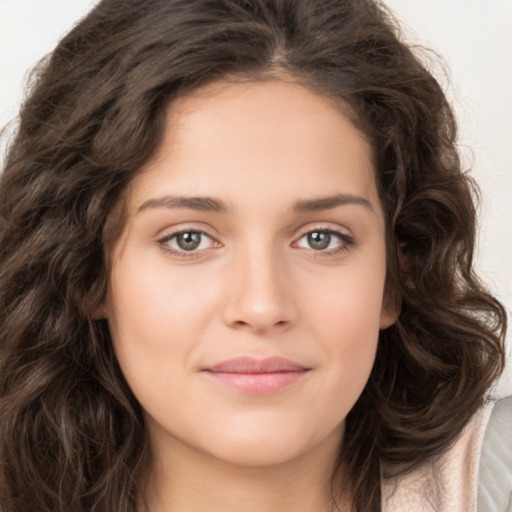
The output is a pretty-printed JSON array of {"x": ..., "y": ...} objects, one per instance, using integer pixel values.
[
  {"x": 319, "y": 240},
  {"x": 188, "y": 241}
]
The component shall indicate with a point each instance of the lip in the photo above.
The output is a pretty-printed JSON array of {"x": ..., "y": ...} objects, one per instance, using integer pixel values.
[
  {"x": 257, "y": 376},
  {"x": 247, "y": 364}
]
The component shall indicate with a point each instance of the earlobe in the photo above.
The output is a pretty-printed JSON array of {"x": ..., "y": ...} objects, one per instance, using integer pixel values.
[
  {"x": 387, "y": 318},
  {"x": 100, "y": 313},
  {"x": 390, "y": 312},
  {"x": 95, "y": 303},
  {"x": 392, "y": 304}
]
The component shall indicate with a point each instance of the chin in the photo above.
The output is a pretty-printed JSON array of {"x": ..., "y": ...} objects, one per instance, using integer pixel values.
[
  {"x": 268, "y": 449},
  {"x": 257, "y": 455}
]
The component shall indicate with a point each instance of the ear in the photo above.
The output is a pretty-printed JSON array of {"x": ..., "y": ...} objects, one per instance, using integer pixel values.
[
  {"x": 389, "y": 313},
  {"x": 101, "y": 312},
  {"x": 96, "y": 301},
  {"x": 391, "y": 305}
]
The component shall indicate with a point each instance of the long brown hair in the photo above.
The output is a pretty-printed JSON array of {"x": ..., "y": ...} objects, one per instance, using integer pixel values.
[{"x": 72, "y": 437}]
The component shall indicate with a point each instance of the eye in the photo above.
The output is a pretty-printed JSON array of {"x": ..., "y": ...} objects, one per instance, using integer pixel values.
[
  {"x": 326, "y": 240},
  {"x": 186, "y": 242}
]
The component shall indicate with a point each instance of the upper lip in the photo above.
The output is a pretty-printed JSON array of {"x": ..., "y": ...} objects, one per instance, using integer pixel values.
[{"x": 252, "y": 365}]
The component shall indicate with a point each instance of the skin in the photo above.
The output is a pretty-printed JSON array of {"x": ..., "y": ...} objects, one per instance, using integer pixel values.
[{"x": 254, "y": 286}]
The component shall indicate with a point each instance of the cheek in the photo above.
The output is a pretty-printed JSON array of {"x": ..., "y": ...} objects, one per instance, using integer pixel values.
[
  {"x": 156, "y": 320},
  {"x": 149, "y": 299},
  {"x": 349, "y": 300},
  {"x": 345, "y": 318}
]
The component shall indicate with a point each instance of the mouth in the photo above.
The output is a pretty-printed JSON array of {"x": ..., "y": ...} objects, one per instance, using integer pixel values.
[{"x": 257, "y": 376}]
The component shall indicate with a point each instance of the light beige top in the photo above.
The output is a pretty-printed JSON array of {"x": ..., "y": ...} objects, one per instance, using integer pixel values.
[{"x": 447, "y": 484}]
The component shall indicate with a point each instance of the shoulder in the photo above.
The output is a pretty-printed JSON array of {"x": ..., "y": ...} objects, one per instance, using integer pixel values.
[
  {"x": 495, "y": 476},
  {"x": 450, "y": 483}
]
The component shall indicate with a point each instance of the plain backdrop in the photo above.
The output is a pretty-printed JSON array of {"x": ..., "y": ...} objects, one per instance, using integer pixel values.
[{"x": 474, "y": 37}]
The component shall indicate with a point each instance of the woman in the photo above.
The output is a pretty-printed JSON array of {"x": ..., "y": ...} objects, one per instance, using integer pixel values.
[{"x": 236, "y": 267}]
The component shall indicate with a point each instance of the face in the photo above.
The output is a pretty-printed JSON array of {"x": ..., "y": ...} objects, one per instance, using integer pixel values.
[{"x": 247, "y": 287}]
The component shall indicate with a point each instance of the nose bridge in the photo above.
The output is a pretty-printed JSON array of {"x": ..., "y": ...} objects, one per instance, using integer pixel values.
[{"x": 260, "y": 294}]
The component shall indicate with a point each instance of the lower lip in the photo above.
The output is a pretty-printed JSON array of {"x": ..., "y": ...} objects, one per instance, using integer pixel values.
[{"x": 258, "y": 383}]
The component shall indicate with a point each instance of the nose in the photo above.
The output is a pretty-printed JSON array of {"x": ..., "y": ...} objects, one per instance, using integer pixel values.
[{"x": 260, "y": 296}]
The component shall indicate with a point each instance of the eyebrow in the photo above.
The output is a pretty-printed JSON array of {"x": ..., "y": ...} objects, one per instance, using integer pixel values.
[
  {"x": 205, "y": 204},
  {"x": 330, "y": 202},
  {"x": 210, "y": 204}
]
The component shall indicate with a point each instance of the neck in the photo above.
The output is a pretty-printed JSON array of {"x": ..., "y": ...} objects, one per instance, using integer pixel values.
[{"x": 191, "y": 481}]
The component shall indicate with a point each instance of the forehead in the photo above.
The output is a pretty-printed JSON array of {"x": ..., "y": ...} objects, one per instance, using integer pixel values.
[{"x": 234, "y": 138}]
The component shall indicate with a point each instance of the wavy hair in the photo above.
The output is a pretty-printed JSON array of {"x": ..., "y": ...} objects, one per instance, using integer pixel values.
[{"x": 72, "y": 435}]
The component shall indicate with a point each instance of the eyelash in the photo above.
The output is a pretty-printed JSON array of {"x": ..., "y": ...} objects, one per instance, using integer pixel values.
[{"x": 346, "y": 242}]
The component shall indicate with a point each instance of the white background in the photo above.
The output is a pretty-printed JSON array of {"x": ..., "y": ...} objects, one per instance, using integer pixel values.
[{"x": 473, "y": 36}]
